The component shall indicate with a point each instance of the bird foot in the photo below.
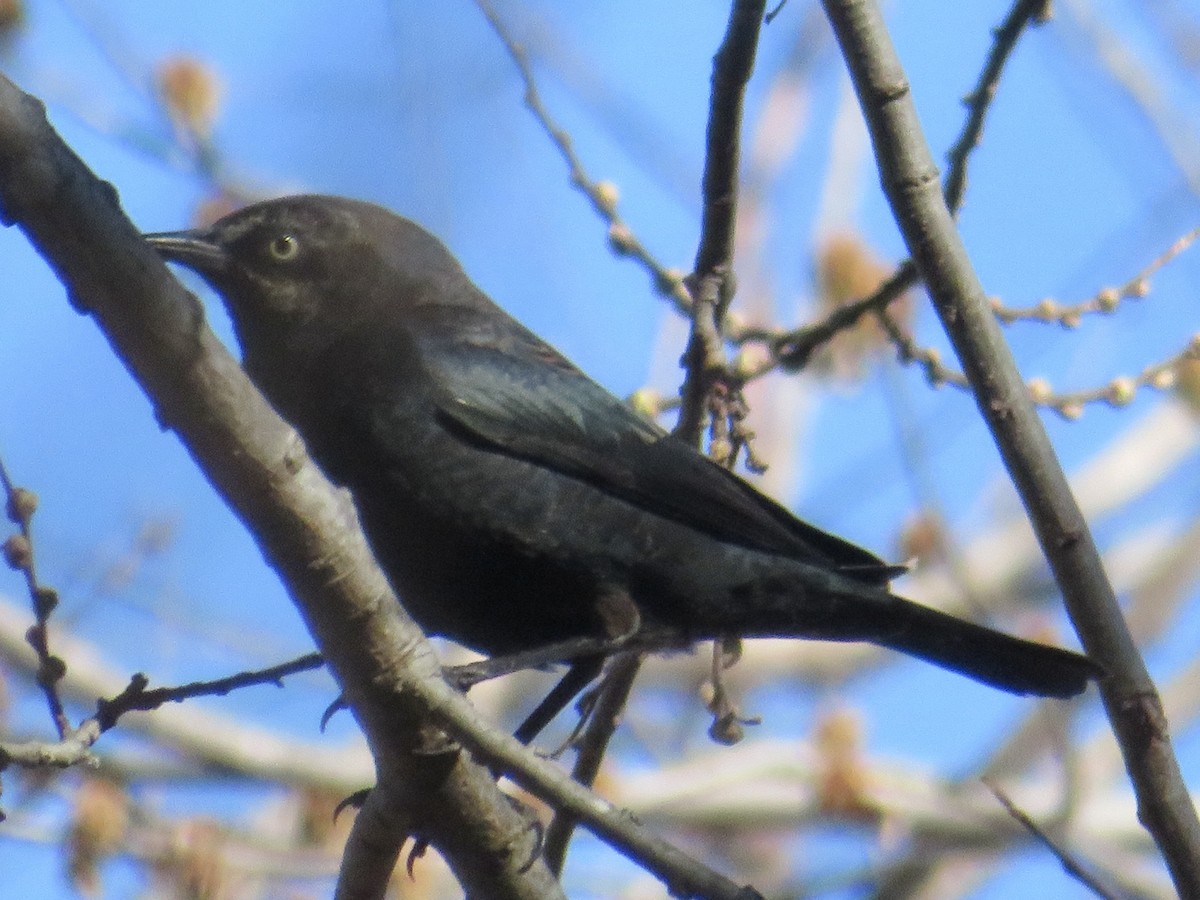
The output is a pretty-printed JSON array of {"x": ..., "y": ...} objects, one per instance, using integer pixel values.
[{"x": 466, "y": 676}]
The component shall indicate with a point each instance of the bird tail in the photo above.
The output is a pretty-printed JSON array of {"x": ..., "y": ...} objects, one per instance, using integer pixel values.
[
  {"x": 839, "y": 609},
  {"x": 992, "y": 657}
]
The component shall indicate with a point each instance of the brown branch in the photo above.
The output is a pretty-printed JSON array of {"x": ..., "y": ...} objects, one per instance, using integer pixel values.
[
  {"x": 201, "y": 738},
  {"x": 1106, "y": 300},
  {"x": 910, "y": 181},
  {"x": 711, "y": 283},
  {"x": 770, "y": 16},
  {"x": 682, "y": 875},
  {"x": 304, "y": 526},
  {"x": 791, "y": 350},
  {"x": 979, "y": 101},
  {"x": 308, "y": 531},
  {"x": 74, "y": 747},
  {"x": 1118, "y": 393},
  {"x": 136, "y": 697}
]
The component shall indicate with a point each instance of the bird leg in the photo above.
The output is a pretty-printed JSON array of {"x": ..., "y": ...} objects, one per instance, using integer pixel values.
[
  {"x": 586, "y": 707},
  {"x": 581, "y": 673}
]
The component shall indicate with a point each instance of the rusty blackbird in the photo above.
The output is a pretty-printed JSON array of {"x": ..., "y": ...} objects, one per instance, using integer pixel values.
[{"x": 512, "y": 501}]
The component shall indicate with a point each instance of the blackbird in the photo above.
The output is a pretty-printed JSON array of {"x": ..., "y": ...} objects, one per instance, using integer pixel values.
[{"x": 512, "y": 501}]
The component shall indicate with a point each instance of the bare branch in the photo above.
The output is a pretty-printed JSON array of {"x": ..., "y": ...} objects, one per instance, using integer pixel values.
[
  {"x": 910, "y": 181},
  {"x": 1119, "y": 392},
  {"x": 1106, "y": 300},
  {"x": 712, "y": 281},
  {"x": 204, "y": 738},
  {"x": 980, "y": 99},
  {"x": 602, "y": 721},
  {"x": 1070, "y": 865},
  {"x": 307, "y": 529},
  {"x": 74, "y": 746},
  {"x": 136, "y": 697}
]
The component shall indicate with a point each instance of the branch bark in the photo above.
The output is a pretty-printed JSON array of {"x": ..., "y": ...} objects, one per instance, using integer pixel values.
[{"x": 910, "y": 181}]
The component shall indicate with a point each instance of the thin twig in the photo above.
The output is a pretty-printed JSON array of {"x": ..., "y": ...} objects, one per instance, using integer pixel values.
[
  {"x": 602, "y": 722},
  {"x": 979, "y": 101},
  {"x": 1106, "y": 300},
  {"x": 711, "y": 283},
  {"x": 1070, "y": 865},
  {"x": 202, "y": 157},
  {"x": 136, "y": 697},
  {"x": 770, "y": 16},
  {"x": 1118, "y": 392},
  {"x": 20, "y": 505},
  {"x": 602, "y": 194},
  {"x": 791, "y": 350},
  {"x": 74, "y": 747}
]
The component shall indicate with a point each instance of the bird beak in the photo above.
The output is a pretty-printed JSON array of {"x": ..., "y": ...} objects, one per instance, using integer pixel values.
[{"x": 195, "y": 249}]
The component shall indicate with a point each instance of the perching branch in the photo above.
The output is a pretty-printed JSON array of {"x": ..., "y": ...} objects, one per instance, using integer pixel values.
[
  {"x": 306, "y": 528},
  {"x": 388, "y": 673}
]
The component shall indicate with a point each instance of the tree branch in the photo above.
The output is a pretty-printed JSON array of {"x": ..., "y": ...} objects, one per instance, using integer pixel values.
[
  {"x": 388, "y": 672},
  {"x": 601, "y": 194},
  {"x": 711, "y": 283},
  {"x": 910, "y": 180},
  {"x": 305, "y": 527},
  {"x": 980, "y": 99}
]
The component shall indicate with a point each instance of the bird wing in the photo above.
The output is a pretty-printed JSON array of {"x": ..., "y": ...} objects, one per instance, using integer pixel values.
[{"x": 518, "y": 396}]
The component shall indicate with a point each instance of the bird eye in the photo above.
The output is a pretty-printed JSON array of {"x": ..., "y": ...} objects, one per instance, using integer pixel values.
[{"x": 283, "y": 248}]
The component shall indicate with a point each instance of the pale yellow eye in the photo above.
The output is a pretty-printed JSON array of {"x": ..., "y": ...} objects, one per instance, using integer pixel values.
[{"x": 283, "y": 248}]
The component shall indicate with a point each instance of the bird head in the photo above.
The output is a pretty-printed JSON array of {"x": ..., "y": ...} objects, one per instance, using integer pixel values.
[
  {"x": 311, "y": 263},
  {"x": 283, "y": 260}
]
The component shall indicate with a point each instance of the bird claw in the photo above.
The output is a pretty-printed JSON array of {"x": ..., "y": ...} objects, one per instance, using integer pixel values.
[
  {"x": 539, "y": 834},
  {"x": 420, "y": 845},
  {"x": 357, "y": 799},
  {"x": 332, "y": 709},
  {"x": 585, "y": 706}
]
